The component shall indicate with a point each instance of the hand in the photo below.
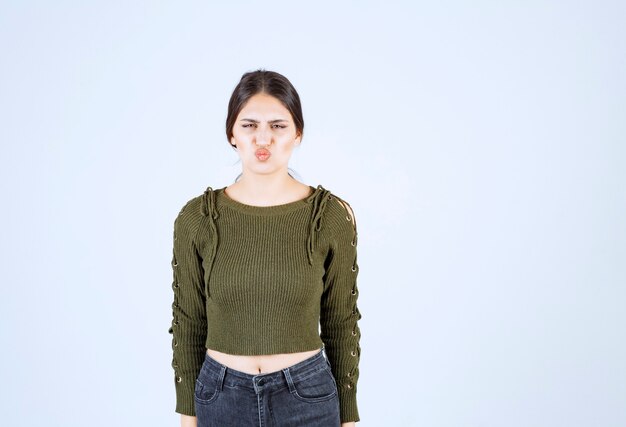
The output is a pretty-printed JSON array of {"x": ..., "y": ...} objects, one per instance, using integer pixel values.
[
  {"x": 188, "y": 421},
  {"x": 350, "y": 424}
]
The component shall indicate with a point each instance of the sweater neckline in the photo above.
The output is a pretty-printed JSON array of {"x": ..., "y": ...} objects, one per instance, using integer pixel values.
[{"x": 224, "y": 199}]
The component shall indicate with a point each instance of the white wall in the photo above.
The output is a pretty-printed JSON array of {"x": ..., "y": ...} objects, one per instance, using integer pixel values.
[{"x": 481, "y": 145}]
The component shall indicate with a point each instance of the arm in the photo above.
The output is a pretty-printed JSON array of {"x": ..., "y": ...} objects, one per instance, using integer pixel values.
[
  {"x": 189, "y": 324},
  {"x": 339, "y": 312}
]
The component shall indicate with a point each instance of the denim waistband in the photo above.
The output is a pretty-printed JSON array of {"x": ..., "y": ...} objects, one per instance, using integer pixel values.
[{"x": 274, "y": 380}]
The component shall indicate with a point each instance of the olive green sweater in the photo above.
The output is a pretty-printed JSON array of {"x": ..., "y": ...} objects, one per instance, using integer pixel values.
[{"x": 254, "y": 280}]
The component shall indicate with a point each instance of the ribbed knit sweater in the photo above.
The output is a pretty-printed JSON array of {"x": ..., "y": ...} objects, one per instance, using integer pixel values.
[{"x": 253, "y": 280}]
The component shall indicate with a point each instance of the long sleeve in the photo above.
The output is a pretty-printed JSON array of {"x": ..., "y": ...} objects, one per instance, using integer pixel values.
[
  {"x": 189, "y": 323},
  {"x": 339, "y": 312}
]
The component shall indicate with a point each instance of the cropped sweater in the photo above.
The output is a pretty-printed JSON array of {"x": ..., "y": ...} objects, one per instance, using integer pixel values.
[{"x": 253, "y": 280}]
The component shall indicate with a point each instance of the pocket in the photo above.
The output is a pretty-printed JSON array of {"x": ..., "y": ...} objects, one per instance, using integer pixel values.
[
  {"x": 206, "y": 390},
  {"x": 317, "y": 387}
]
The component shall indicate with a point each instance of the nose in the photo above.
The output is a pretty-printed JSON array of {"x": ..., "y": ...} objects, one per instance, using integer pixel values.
[{"x": 263, "y": 137}]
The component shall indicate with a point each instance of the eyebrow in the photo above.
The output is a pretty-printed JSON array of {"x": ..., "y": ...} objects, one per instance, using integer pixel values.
[{"x": 269, "y": 121}]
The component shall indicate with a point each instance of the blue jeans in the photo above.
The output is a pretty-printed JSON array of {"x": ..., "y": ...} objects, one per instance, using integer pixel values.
[{"x": 302, "y": 395}]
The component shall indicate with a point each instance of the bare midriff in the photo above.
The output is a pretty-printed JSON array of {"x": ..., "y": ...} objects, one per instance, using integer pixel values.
[{"x": 262, "y": 364}]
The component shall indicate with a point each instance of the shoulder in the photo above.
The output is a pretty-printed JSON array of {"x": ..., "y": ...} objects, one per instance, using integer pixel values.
[
  {"x": 339, "y": 207},
  {"x": 346, "y": 209},
  {"x": 190, "y": 208},
  {"x": 192, "y": 211},
  {"x": 340, "y": 217}
]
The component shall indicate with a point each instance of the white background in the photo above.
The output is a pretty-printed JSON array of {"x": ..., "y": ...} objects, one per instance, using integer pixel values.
[{"x": 481, "y": 145}]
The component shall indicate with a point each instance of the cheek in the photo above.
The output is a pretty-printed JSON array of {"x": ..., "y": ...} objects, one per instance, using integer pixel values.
[
  {"x": 239, "y": 136},
  {"x": 284, "y": 150}
]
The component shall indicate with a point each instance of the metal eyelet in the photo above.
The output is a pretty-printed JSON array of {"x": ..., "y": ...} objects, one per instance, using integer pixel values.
[
  {"x": 353, "y": 268},
  {"x": 179, "y": 379},
  {"x": 175, "y": 264},
  {"x": 354, "y": 333},
  {"x": 349, "y": 385},
  {"x": 352, "y": 353},
  {"x": 353, "y": 243},
  {"x": 176, "y": 285},
  {"x": 353, "y": 292},
  {"x": 175, "y": 344},
  {"x": 349, "y": 374},
  {"x": 348, "y": 218}
]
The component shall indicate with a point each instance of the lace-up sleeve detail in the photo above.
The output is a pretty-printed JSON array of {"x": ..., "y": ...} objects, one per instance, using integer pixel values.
[
  {"x": 319, "y": 198},
  {"x": 339, "y": 311},
  {"x": 189, "y": 324},
  {"x": 209, "y": 210}
]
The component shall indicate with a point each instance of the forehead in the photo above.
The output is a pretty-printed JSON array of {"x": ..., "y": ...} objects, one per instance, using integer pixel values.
[{"x": 263, "y": 105}]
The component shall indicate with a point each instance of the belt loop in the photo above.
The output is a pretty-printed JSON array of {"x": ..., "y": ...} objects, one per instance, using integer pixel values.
[
  {"x": 287, "y": 373},
  {"x": 220, "y": 379},
  {"x": 326, "y": 357}
]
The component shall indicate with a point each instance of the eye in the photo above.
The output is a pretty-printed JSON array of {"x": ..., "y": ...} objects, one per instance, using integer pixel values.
[{"x": 247, "y": 125}]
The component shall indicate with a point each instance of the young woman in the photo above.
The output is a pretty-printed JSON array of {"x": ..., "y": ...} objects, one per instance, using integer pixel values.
[{"x": 265, "y": 297}]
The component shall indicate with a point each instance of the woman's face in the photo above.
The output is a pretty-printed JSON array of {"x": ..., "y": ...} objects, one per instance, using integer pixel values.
[{"x": 264, "y": 126}]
